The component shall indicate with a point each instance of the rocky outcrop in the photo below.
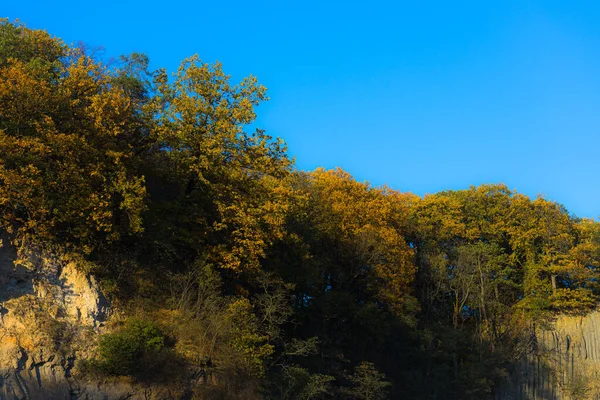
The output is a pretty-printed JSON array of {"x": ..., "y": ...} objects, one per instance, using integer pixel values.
[
  {"x": 563, "y": 364},
  {"x": 49, "y": 313},
  {"x": 50, "y": 317}
]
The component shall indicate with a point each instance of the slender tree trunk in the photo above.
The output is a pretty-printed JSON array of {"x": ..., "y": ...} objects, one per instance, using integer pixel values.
[{"x": 456, "y": 310}]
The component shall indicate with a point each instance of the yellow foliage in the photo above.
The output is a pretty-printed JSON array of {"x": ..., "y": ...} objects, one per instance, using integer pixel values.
[
  {"x": 65, "y": 173},
  {"x": 202, "y": 118},
  {"x": 372, "y": 222}
]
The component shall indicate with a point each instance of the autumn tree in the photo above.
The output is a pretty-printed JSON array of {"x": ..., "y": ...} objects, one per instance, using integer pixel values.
[
  {"x": 67, "y": 172},
  {"x": 364, "y": 227},
  {"x": 230, "y": 185}
]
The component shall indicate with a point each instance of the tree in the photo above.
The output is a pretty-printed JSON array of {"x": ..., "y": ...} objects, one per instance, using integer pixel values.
[
  {"x": 363, "y": 228},
  {"x": 234, "y": 182},
  {"x": 368, "y": 383},
  {"x": 67, "y": 172}
]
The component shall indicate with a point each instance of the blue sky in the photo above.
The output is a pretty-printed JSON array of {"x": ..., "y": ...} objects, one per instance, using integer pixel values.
[{"x": 423, "y": 96}]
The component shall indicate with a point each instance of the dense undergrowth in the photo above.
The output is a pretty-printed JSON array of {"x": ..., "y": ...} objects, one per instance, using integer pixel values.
[{"x": 256, "y": 280}]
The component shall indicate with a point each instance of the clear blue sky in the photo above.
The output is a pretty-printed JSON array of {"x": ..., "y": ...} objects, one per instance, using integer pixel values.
[{"x": 421, "y": 95}]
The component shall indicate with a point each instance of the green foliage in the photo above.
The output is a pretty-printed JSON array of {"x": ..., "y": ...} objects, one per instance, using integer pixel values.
[
  {"x": 368, "y": 383},
  {"x": 252, "y": 346},
  {"x": 133, "y": 350},
  {"x": 300, "y": 384},
  {"x": 577, "y": 300},
  {"x": 34, "y": 47}
]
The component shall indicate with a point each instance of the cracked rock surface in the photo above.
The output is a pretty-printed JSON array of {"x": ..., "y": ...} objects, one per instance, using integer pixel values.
[
  {"x": 50, "y": 316},
  {"x": 563, "y": 364},
  {"x": 48, "y": 311}
]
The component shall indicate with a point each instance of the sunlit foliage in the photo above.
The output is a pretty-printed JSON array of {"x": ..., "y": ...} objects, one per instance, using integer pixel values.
[{"x": 268, "y": 282}]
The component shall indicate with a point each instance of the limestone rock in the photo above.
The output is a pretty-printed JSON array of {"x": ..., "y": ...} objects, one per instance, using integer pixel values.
[
  {"x": 81, "y": 296},
  {"x": 48, "y": 314}
]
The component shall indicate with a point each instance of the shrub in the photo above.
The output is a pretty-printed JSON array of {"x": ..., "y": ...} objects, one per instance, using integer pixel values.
[{"x": 134, "y": 350}]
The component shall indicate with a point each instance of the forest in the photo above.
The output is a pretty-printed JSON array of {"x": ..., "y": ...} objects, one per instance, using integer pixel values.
[{"x": 228, "y": 263}]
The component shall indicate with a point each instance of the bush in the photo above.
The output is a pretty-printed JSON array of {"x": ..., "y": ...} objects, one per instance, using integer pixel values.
[{"x": 135, "y": 350}]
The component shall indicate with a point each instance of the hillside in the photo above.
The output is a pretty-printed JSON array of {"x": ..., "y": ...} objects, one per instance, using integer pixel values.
[{"x": 154, "y": 248}]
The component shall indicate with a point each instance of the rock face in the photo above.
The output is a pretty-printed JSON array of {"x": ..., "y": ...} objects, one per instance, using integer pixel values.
[
  {"x": 564, "y": 362},
  {"x": 50, "y": 317},
  {"x": 48, "y": 311}
]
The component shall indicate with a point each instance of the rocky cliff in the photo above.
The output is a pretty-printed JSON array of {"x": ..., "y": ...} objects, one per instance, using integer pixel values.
[
  {"x": 50, "y": 316},
  {"x": 563, "y": 362}
]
